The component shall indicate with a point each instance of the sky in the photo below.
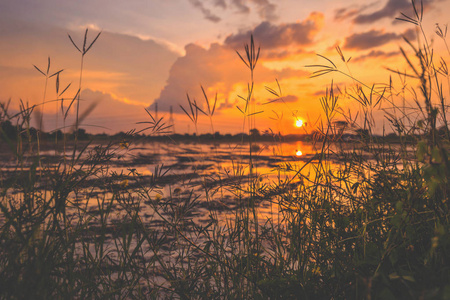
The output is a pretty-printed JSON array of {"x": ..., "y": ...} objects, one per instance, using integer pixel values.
[{"x": 160, "y": 52}]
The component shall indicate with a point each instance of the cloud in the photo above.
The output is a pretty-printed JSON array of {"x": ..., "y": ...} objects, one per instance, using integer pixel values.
[
  {"x": 119, "y": 64},
  {"x": 265, "y": 9},
  {"x": 220, "y": 3},
  {"x": 374, "y": 38},
  {"x": 270, "y": 36},
  {"x": 206, "y": 12},
  {"x": 344, "y": 13},
  {"x": 216, "y": 66},
  {"x": 240, "y": 6},
  {"x": 219, "y": 70},
  {"x": 108, "y": 104},
  {"x": 99, "y": 112},
  {"x": 285, "y": 99},
  {"x": 391, "y": 9},
  {"x": 376, "y": 54},
  {"x": 290, "y": 99},
  {"x": 110, "y": 112}
]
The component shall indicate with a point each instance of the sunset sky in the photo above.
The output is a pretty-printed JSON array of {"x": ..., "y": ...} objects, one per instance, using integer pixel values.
[{"x": 158, "y": 51}]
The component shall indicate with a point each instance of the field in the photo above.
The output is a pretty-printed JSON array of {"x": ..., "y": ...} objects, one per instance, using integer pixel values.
[{"x": 148, "y": 214}]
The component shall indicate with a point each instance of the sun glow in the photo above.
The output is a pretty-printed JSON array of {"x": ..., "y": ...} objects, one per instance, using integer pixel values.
[
  {"x": 299, "y": 123},
  {"x": 298, "y": 153}
]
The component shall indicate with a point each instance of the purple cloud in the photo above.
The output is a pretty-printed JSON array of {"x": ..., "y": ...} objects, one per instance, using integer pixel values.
[
  {"x": 265, "y": 9},
  {"x": 374, "y": 38},
  {"x": 270, "y": 36},
  {"x": 376, "y": 54},
  {"x": 391, "y": 9}
]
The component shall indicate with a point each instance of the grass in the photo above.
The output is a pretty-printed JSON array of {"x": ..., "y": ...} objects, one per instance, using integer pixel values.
[{"x": 375, "y": 225}]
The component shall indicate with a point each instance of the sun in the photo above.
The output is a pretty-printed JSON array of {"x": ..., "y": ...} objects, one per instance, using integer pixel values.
[
  {"x": 299, "y": 123},
  {"x": 298, "y": 152}
]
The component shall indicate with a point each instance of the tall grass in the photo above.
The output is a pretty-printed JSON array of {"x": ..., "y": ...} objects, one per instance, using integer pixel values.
[{"x": 360, "y": 219}]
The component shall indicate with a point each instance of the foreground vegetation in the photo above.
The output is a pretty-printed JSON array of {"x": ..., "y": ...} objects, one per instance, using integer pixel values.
[{"x": 376, "y": 226}]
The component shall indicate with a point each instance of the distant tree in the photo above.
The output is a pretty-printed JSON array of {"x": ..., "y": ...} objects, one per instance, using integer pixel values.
[
  {"x": 391, "y": 135},
  {"x": 254, "y": 132},
  {"x": 101, "y": 135},
  {"x": 340, "y": 126},
  {"x": 317, "y": 135},
  {"x": 33, "y": 132},
  {"x": 267, "y": 133},
  {"x": 363, "y": 133},
  {"x": 9, "y": 130},
  {"x": 82, "y": 135},
  {"x": 206, "y": 136},
  {"x": 443, "y": 131}
]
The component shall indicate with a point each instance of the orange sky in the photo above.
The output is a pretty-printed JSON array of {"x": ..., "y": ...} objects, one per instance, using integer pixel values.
[{"x": 159, "y": 51}]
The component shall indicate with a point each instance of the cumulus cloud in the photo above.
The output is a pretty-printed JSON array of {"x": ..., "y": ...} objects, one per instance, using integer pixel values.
[
  {"x": 105, "y": 110},
  {"x": 99, "y": 112},
  {"x": 219, "y": 70},
  {"x": 108, "y": 102},
  {"x": 271, "y": 36},
  {"x": 374, "y": 38}
]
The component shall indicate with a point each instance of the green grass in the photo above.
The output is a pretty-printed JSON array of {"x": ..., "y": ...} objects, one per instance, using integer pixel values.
[{"x": 366, "y": 219}]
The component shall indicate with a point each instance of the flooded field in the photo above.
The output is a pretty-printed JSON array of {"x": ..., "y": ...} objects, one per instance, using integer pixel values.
[{"x": 216, "y": 175}]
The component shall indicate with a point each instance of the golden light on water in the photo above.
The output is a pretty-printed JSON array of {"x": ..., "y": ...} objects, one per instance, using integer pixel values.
[{"x": 299, "y": 123}]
